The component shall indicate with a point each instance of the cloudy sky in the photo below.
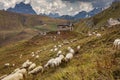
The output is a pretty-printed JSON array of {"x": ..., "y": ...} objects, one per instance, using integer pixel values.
[{"x": 63, "y": 7}]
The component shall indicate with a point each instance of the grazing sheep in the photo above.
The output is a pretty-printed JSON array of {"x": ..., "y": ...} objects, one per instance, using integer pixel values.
[
  {"x": 15, "y": 76},
  {"x": 37, "y": 56},
  {"x": 23, "y": 72},
  {"x": 59, "y": 46},
  {"x": 33, "y": 54},
  {"x": 49, "y": 63},
  {"x": 94, "y": 33},
  {"x": 57, "y": 61},
  {"x": 17, "y": 69},
  {"x": 115, "y": 43},
  {"x": 89, "y": 34},
  {"x": 54, "y": 63},
  {"x": 13, "y": 65},
  {"x": 55, "y": 46},
  {"x": 36, "y": 70},
  {"x": 26, "y": 64},
  {"x": 51, "y": 50},
  {"x": 56, "y": 49},
  {"x": 66, "y": 42},
  {"x": 98, "y": 35},
  {"x": 71, "y": 50},
  {"x": 68, "y": 57},
  {"x": 78, "y": 47},
  {"x": 7, "y": 64},
  {"x": 32, "y": 66},
  {"x": 61, "y": 56},
  {"x": 59, "y": 52}
]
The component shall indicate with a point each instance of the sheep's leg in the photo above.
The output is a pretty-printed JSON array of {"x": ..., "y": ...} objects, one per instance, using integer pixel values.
[{"x": 113, "y": 46}]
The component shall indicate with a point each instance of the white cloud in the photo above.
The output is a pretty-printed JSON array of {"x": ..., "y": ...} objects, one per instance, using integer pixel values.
[{"x": 51, "y": 6}]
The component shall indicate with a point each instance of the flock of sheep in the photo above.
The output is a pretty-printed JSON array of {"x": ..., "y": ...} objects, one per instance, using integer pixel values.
[{"x": 30, "y": 68}]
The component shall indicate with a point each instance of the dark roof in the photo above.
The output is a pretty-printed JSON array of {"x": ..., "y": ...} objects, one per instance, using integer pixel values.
[{"x": 63, "y": 25}]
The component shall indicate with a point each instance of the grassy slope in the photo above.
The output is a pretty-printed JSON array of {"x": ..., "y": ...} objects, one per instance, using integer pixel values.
[
  {"x": 93, "y": 61},
  {"x": 97, "y": 60}
]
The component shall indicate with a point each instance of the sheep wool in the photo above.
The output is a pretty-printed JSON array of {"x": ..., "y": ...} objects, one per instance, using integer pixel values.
[
  {"x": 15, "y": 76},
  {"x": 68, "y": 56},
  {"x": 32, "y": 66},
  {"x": 115, "y": 43},
  {"x": 78, "y": 47},
  {"x": 26, "y": 64},
  {"x": 7, "y": 64},
  {"x": 98, "y": 35},
  {"x": 36, "y": 70},
  {"x": 59, "y": 52}
]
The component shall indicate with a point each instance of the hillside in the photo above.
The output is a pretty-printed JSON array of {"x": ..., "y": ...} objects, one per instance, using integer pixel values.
[
  {"x": 13, "y": 24},
  {"x": 100, "y": 20},
  {"x": 95, "y": 60},
  {"x": 92, "y": 62}
]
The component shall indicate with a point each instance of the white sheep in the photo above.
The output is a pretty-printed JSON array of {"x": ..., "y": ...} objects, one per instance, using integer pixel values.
[
  {"x": 36, "y": 70},
  {"x": 32, "y": 66},
  {"x": 59, "y": 46},
  {"x": 37, "y": 56},
  {"x": 89, "y": 34},
  {"x": 93, "y": 33},
  {"x": 68, "y": 57},
  {"x": 61, "y": 57},
  {"x": 54, "y": 63},
  {"x": 51, "y": 50},
  {"x": 13, "y": 65},
  {"x": 7, "y": 64},
  {"x": 66, "y": 42},
  {"x": 15, "y": 76},
  {"x": 55, "y": 46},
  {"x": 58, "y": 53},
  {"x": 71, "y": 50},
  {"x": 57, "y": 61},
  {"x": 55, "y": 49},
  {"x": 98, "y": 35},
  {"x": 33, "y": 54},
  {"x": 17, "y": 69},
  {"x": 49, "y": 63},
  {"x": 23, "y": 72},
  {"x": 26, "y": 64},
  {"x": 115, "y": 43},
  {"x": 78, "y": 47}
]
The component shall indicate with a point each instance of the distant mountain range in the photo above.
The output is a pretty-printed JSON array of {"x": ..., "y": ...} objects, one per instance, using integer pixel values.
[
  {"x": 82, "y": 14},
  {"x": 22, "y": 8},
  {"x": 27, "y": 9}
]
